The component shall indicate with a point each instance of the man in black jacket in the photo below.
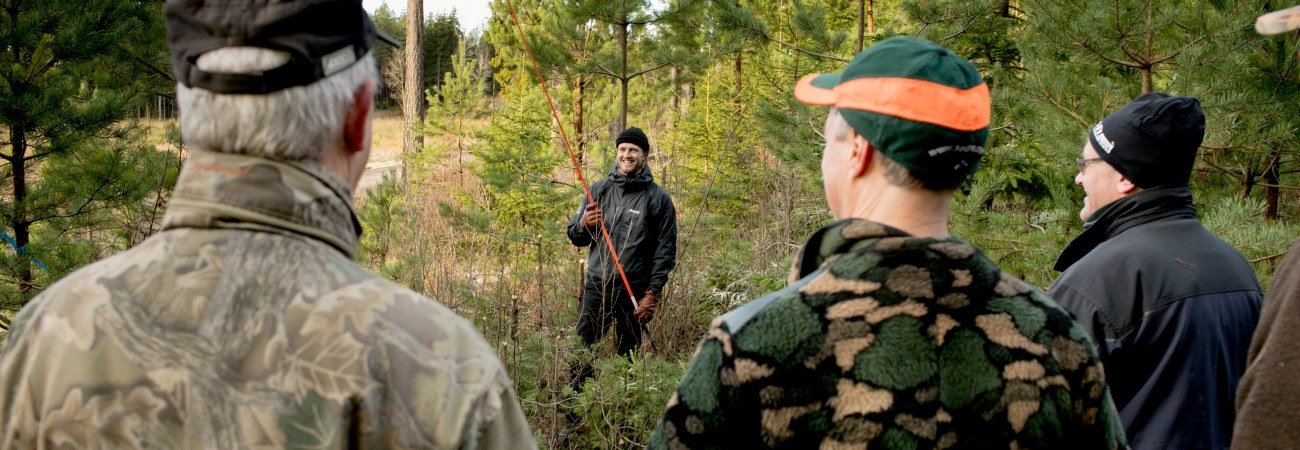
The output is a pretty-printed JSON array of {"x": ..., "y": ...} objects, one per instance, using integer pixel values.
[
  {"x": 642, "y": 225},
  {"x": 1170, "y": 306}
]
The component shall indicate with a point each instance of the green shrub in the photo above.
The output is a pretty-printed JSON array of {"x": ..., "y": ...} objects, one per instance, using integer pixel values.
[{"x": 621, "y": 405}]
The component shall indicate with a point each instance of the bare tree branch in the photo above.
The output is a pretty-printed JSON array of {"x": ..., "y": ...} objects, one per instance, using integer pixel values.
[
  {"x": 806, "y": 52},
  {"x": 1235, "y": 174},
  {"x": 643, "y": 72}
]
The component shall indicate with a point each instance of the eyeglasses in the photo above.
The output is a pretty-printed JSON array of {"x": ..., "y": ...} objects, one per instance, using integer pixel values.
[{"x": 1084, "y": 162}]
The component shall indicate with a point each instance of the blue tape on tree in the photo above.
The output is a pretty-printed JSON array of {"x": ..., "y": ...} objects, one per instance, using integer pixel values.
[
  {"x": 22, "y": 251},
  {"x": 11, "y": 241}
]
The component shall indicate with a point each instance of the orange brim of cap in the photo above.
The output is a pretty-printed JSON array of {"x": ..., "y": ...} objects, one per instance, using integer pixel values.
[
  {"x": 806, "y": 92},
  {"x": 1278, "y": 22},
  {"x": 907, "y": 98}
]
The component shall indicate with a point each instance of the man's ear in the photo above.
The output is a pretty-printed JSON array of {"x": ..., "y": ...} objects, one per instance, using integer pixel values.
[
  {"x": 1126, "y": 187},
  {"x": 354, "y": 130},
  {"x": 860, "y": 160}
]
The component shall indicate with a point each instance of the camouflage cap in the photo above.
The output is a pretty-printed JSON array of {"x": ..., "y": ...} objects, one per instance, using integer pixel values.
[
  {"x": 322, "y": 37},
  {"x": 917, "y": 102}
]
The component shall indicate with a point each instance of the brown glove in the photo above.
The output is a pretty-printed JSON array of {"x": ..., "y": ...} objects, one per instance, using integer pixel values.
[
  {"x": 645, "y": 308},
  {"x": 590, "y": 216}
]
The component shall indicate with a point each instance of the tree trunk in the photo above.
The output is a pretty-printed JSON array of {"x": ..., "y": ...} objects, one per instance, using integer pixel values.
[
  {"x": 577, "y": 122},
  {"x": 862, "y": 23},
  {"x": 674, "y": 102},
  {"x": 460, "y": 161},
  {"x": 1270, "y": 187},
  {"x": 22, "y": 235},
  {"x": 413, "y": 89},
  {"x": 1146, "y": 70},
  {"x": 1247, "y": 182},
  {"x": 514, "y": 317},
  {"x": 622, "y": 76},
  {"x": 579, "y": 133},
  {"x": 871, "y": 17},
  {"x": 739, "y": 61},
  {"x": 541, "y": 287},
  {"x": 688, "y": 95},
  {"x": 740, "y": 72}
]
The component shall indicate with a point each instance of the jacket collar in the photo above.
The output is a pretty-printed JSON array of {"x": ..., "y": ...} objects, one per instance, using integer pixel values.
[
  {"x": 635, "y": 181},
  {"x": 1144, "y": 207},
  {"x": 228, "y": 191},
  {"x": 838, "y": 238}
]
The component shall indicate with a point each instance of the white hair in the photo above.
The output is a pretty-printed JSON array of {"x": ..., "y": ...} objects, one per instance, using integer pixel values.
[
  {"x": 297, "y": 123},
  {"x": 895, "y": 173},
  {"x": 840, "y": 126}
]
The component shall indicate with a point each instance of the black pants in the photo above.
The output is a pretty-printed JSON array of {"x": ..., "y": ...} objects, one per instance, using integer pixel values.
[{"x": 603, "y": 303}]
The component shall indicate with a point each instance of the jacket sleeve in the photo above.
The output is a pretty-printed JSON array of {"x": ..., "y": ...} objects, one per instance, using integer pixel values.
[
  {"x": 666, "y": 251},
  {"x": 1266, "y": 413},
  {"x": 1096, "y": 423},
  {"x": 509, "y": 430},
  {"x": 697, "y": 416},
  {"x": 578, "y": 235}
]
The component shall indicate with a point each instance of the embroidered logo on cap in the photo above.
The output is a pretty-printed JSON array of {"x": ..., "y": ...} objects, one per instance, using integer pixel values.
[
  {"x": 339, "y": 60},
  {"x": 979, "y": 150},
  {"x": 1106, "y": 144}
]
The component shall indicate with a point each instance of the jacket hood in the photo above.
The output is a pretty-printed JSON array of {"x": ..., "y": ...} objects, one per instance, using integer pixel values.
[
  {"x": 634, "y": 181},
  {"x": 222, "y": 190}
]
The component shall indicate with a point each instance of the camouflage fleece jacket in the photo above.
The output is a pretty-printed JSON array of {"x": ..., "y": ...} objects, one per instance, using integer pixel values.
[
  {"x": 246, "y": 324},
  {"x": 883, "y": 340}
]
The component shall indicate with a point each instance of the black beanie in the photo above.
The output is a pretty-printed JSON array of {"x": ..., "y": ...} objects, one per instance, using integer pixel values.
[
  {"x": 1152, "y": 141},
  {"x": 634, "y": 136}
]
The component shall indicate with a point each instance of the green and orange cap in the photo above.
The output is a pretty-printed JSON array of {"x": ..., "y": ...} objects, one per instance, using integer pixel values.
[
  {"x": 1278, "y": 22},
  {"x": 920, "y": 104}
]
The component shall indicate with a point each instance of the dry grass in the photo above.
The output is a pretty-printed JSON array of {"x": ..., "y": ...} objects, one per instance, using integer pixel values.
[
  {"x": 155, "y": 133},
  {"x": 386, "y": 136}
]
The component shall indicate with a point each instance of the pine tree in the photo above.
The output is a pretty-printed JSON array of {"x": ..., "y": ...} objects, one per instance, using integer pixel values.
[
  {"x": 635, "y": 51},
  {"x": 1277, "y": 84},
  {"x": 1090, "y": 59},
  {"x": 74, "y": 76},
  {"x": 389, "y": 60},
  {"x": 562, "y": 45},
  {"x": 442, "y": 36},
  {"x": 798, "y": 39},
  {"x": 517, "y": 162},
  {"x": 457, "y": 104}
]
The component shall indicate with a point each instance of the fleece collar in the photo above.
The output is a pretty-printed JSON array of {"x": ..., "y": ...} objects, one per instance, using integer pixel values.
[{"x": 221, "y": 190}]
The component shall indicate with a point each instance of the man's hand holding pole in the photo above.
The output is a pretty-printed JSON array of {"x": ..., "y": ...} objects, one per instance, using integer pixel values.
[
  {"x": 591, "y": 216},
  {"x": 645, "y": 309}
]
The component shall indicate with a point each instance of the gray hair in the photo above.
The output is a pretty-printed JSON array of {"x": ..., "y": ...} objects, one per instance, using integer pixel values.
[
  {"x": 295, "y": 123},
  {"x": 840, "y": 126},
  {"x": 895, "y": 173}
]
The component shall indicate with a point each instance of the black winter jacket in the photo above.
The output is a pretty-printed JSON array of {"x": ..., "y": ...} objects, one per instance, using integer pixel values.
[
  {"x": 1171, "y": 308},
  {"x": 642, "y": 224}
]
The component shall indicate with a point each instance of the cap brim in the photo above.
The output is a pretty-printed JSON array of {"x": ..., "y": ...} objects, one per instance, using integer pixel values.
[
  {"x": 817, "y": 89},
  {"x": 1278, "y": 22},
  {"x": 387, "y": 38}
]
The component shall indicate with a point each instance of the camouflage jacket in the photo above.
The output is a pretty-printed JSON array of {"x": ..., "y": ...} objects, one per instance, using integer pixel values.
[
  {"x": 883, "y": 340},
  {"x": 246, "y": 324}
]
